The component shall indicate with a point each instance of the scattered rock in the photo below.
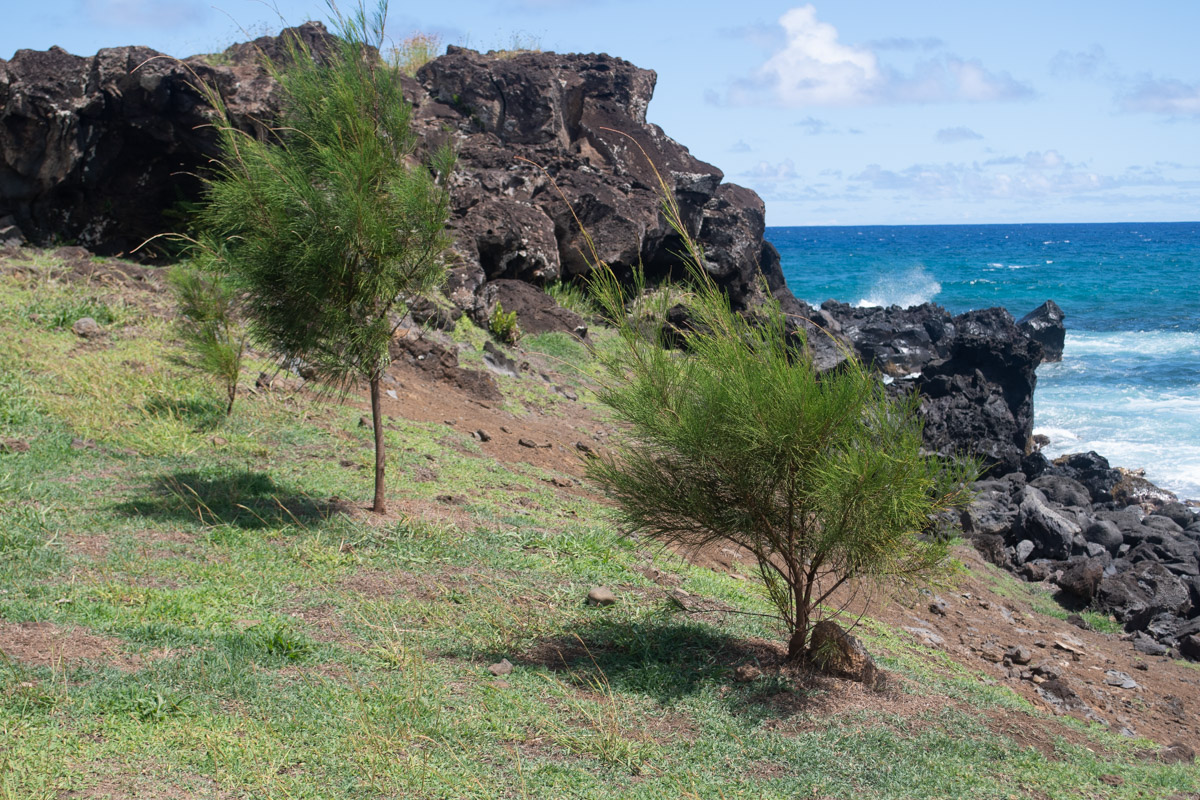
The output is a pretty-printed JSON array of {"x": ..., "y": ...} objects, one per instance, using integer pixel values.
[
  {"x": 483, "y": 435},
  {"x": 1112, "y": 780},
  {"x": 836, "y": 651},
  {"x": 926, "y": 636},
  {"x": 1120, "y": 679},
  {"x": 991, "y": 652},
  {"x": 1018, "y": 655},
  {"x": 601, "y": 596},
  {"x": 503, "y": 667},
  {"x": 87, "y": 328},
  {"x": 1174, "y": 753},
  {"x": 939, "y": 606},
  {"x": 526, "y": 442}
]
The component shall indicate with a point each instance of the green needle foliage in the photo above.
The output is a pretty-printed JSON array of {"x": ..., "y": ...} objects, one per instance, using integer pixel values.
[
  {"x": 209, "y": 323},
  {"x": 332, "y": 228},
  {"x": 821, "y": 476}
]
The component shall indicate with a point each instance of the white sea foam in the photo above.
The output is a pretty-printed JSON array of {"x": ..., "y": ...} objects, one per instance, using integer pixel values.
[
  {"x": 911, "y": 288},
  {"x": 1132, "y": 425},
  {"x": 1146, "y": 343}
]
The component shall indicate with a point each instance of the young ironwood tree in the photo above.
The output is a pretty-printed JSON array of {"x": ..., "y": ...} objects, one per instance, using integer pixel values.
[
  {"x": 739, "y": 439},
  {"x": 332, "y": 228},
  {"x": 209, "y": 322}
]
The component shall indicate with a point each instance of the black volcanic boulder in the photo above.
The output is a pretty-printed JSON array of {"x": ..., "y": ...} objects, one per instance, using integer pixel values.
[
  {"x": 1052, "y": 533},
  {"x": 979, "y": 399},
  {"x": 1091, "y": 470},
  {"x": 1141, "y": 593},
  {"x": 1062, "y": 490},
  {"x": 897, "y": 341},
  {"x": 1045, "y": 326}
]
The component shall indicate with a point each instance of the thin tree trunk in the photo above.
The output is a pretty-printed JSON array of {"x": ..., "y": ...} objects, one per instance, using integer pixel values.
[
  {"x": 799, "y": 639},
  {"x": 380, "y": 506},
  {"x": 232, "y": 395}
]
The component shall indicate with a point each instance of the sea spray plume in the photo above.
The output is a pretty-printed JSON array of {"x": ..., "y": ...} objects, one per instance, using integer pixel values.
[
  {"x": 739, "y": 439},
  {"x": 333, "y": 228}
]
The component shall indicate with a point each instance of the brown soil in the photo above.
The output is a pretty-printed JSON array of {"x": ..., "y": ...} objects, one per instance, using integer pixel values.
[{"x": 44, "y": 644}]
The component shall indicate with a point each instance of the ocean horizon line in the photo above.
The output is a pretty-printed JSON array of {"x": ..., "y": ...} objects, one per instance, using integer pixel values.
[{"x": 979, "y": 224}]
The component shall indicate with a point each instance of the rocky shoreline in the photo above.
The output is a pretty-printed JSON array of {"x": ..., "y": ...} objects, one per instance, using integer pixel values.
[{"x": 93, "y": 150}]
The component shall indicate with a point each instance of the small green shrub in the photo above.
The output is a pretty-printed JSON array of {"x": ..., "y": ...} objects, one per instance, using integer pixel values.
[{"x": 503, "y": 325}]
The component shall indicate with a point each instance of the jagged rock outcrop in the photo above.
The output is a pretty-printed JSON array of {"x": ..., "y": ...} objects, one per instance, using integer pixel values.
[
  {"x": 551, "y": 142},
  {"x": 1045, "y": 326},
  {"x": 975, "y": 372},
  {"x": 101, "y": 150}
]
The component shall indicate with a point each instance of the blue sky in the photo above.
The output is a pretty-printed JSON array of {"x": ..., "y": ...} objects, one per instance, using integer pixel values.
[{"x": 846, "y": 112}]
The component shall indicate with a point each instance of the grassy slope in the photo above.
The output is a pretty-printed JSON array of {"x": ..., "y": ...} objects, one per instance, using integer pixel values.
[{"x": 262, "y": 645}]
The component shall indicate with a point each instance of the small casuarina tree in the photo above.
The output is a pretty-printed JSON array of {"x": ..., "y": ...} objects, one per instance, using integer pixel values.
[
  {"x": 739, "y": 439},
  {"x": 332, "y": 228},
  {"x": 210, "y": 324}
]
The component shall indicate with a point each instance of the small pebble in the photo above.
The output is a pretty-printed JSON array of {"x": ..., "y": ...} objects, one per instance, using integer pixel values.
[
  {"x": 503, "y": 667},
  {"x": 601, "y": 596}
]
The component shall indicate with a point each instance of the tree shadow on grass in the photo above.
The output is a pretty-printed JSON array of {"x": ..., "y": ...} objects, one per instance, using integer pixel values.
[
  {"x": 669, "y": 659},
  {"x": 204, "y": 413},
  {"x": 243, "y": 499}
]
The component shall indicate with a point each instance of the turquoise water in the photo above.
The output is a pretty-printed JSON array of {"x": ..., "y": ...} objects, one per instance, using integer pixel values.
[{"x": 1128, "y": 386}]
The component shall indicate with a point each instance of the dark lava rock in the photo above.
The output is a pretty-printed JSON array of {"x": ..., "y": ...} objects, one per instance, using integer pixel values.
[
  {"x": 562, "y": 112},
  {"x": 1051, "y": 532},
  {"x": 1063, "y": 490},
  {"x": 96, "y": 149},
  {"x": 839, "y": 653},
  {"x": 1104, "y": 533},
  {"x": 1045, "y": 326},
  {"x": 980, "y": 397},
  {"x": 1189, "y": 646},
  {"x": 1092, "y": 470},
  {"x": 425, "y": 312},
  {"x": 1082, "y": 579},
  {"x": 1141, "y": 593},
  {"x": 1177, "y": 512}
]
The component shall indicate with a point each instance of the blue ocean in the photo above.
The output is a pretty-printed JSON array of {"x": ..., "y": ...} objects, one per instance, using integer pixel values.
[{"x": 1128, "y": 386}]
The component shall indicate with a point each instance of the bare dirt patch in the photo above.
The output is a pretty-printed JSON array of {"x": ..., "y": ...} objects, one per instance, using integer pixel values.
[{"x": 44, "y": 644}]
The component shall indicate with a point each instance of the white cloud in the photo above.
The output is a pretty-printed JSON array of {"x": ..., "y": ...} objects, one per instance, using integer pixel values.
[
  {"x": 1163, "y": 96},
  {"x": 814, "y": 68},
  {"x": 767, "y": 172},
  {"x": 1082, "y": 64},
  {"x": 958, "y": 134},
  {"x": 1035, "y": 176},
  {"x": 740, "y": 146}
]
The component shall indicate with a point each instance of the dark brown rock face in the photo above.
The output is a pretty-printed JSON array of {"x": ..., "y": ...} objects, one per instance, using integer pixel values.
[
  {"x": 580, "y": 120},
  {"x": 96, "y": 149}
]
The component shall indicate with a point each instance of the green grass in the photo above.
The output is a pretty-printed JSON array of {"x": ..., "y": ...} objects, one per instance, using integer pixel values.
[{"x": 258, "y": 642}]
